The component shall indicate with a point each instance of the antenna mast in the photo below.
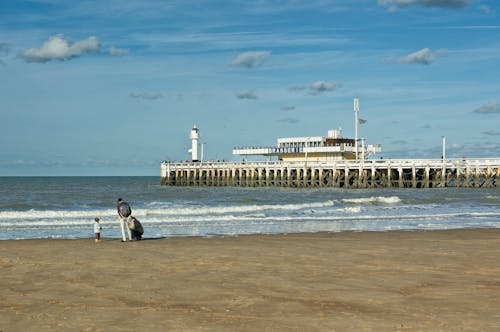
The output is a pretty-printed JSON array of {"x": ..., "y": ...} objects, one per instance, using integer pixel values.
[{"x": 356, "y": 122}]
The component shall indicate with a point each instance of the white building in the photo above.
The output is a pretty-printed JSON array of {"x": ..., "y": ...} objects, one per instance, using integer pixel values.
[{"x": 316, "y": 148}]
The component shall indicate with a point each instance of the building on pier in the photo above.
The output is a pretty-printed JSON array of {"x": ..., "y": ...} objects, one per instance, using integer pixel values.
[{"x": 333, "y": 147}]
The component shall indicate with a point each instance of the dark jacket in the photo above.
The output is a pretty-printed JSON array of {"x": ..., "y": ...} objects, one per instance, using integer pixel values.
[{"x": 123, "y": 209}]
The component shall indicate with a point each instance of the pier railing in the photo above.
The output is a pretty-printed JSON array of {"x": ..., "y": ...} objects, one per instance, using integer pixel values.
[{"x": 402, "y": 173}]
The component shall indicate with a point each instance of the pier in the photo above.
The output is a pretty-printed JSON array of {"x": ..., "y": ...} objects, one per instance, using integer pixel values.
[{"x": 362, "y": 174}]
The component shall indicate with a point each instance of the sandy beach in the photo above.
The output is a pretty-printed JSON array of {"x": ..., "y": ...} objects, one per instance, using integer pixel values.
[{"x": 365, "y": 281}]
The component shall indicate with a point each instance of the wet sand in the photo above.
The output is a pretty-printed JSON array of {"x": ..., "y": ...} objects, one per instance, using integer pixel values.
[{"x": 367, "y": 281}]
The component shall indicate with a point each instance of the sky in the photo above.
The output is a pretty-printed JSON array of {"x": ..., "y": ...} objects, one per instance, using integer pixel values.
[{"x": 113, "y": 87}]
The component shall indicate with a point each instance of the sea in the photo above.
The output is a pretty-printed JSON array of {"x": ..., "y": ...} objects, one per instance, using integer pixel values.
[{"x": 65, "y": 208}]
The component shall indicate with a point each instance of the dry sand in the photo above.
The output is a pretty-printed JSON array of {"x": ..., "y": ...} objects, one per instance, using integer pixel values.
[{"x": 368, "y": 281}]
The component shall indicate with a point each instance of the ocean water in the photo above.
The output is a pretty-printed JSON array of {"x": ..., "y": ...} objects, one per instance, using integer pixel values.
[{"x": 65, "y": 207}]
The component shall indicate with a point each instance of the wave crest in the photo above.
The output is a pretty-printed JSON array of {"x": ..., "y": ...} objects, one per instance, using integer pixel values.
[{"x": 373, "y": 200}]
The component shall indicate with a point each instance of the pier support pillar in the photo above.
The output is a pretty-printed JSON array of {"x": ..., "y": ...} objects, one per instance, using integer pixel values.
[{"x": 389, "y": 178}]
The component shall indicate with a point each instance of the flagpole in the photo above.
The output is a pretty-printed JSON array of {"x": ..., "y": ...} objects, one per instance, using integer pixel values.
[
  {"x": 444, "y": 148},
  {"x": 356, "y": 122}
]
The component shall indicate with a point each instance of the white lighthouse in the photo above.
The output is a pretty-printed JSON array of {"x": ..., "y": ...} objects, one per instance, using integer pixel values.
[{"x": 194, "y": 136}]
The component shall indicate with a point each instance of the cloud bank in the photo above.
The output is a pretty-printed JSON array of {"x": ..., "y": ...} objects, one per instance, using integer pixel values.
[
  {"x": 59, "y": 48},
  {"x": 453, "y": 4},
  {"x": 250, "y": 59}
]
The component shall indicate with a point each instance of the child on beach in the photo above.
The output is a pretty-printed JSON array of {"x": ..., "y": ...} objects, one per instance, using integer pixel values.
[{"x": 97, "y": 230}]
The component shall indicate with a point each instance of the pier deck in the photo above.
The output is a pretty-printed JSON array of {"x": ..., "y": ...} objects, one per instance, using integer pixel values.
[{"x": 398, "y": 173}]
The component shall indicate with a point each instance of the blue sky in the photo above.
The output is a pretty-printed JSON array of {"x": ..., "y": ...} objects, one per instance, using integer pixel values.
[{"x": 113, "y": 87}]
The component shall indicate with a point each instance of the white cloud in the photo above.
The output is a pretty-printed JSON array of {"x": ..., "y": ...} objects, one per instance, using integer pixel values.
[
  {"x": 250, "y": 59},
  {"x": 423, "y": 57},
  {"x": 59, "y": 48},
  {"x": 316, "y": 88},
  {"x": 246, "y": 95},
  {"x": 115, "y": 51},
  {"x": 394, "y": 4},
  {"x": 488, "y": 108}
]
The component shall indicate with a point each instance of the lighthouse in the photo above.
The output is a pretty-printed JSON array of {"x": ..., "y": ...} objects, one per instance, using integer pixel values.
[{"x": 194, "y": 136}]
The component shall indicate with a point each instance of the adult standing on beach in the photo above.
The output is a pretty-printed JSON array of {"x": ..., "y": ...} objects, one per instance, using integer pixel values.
[{"x": 124, "y": 212}]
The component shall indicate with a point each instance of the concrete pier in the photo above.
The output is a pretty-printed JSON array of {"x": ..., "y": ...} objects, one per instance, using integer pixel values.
[{"x": 398, "y": 173}]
